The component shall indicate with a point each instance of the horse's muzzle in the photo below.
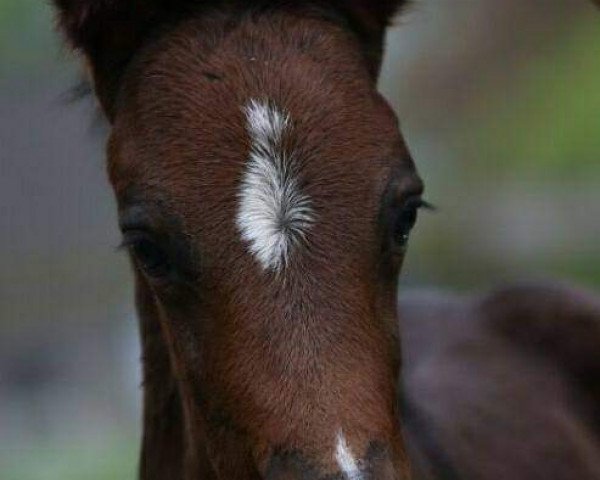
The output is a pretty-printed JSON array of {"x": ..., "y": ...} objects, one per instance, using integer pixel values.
[{"x": 378, "y": 464}]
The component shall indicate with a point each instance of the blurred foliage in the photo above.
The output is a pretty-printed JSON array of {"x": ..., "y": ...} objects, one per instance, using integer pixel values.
[
  {"x": 20, "y": 51},
  {"x": 547, "y": 123},
  {"x": 528, "y": 145},
  {"x": 115, "y": 458}
]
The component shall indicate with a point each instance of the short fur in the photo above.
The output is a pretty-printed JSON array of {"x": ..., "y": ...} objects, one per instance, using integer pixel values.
[{"x": 250, "y": 375}]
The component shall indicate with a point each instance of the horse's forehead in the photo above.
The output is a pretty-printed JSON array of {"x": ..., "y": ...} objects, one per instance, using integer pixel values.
[
  {"x": 259, "y": 141},
  {"x": 194, "y": 129},
  {"x": 184, "y": 106}
]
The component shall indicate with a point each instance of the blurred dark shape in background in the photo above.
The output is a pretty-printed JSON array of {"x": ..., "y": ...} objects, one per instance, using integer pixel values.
[{"x": 498, "y": 101}]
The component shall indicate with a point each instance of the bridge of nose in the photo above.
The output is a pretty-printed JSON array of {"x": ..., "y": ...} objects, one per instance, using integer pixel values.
[{"x": 376, "y": 464}]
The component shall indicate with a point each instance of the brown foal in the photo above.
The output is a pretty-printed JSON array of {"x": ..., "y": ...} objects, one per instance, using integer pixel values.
[{"x": 266, "y": 196}]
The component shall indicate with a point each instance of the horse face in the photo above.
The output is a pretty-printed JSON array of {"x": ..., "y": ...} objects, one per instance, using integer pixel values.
[{"x": 266, "y": 197}]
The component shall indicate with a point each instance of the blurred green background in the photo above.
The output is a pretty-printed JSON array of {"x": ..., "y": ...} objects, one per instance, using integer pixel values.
[{"x": 499, "y": 102}]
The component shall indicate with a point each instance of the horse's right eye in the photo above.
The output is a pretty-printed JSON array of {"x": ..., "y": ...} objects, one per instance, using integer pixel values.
[
  {"x": 148, "y": 254},
  {"x": 406, "y": 218}
]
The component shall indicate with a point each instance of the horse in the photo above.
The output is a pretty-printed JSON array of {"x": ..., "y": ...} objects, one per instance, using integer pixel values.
[
  {"x": 266, "y": 197},
  {"x": 502, "y": 385}
]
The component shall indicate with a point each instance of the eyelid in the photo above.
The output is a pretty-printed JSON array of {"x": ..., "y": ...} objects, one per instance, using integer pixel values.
[
  {"x": 183, "y": 263},
  {"x": 129, "y": 225},
  {"x": 132, "y": 235},
  {"x": 136, "y": 217}
]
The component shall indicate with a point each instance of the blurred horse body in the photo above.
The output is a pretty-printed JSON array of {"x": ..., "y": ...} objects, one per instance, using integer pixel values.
[{"x": 504, "y": 385}]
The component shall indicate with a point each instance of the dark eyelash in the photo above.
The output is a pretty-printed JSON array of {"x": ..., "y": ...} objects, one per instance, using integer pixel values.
[
  {"x": 81, "y": 90},
  {"x": 419, "y": 204},
  {"x": 425, "y": 205},
  {"x": 122, "y": 246},
  {"x": 129, "y": 239}
]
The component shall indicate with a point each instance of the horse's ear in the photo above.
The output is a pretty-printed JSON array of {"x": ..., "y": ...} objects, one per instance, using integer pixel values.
[
  {"x": 107, "y": 33},
  {"x": 370, "y": 19}
]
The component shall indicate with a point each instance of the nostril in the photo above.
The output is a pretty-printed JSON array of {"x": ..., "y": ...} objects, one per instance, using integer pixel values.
[
  {"x": 380, "y": 464},
  {"x": 291, "y": 466}
]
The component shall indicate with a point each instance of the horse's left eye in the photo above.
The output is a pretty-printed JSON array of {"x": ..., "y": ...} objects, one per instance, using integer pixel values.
[
  {"x": 405, "y": 220},
  {"x": 150, "y": 256}
]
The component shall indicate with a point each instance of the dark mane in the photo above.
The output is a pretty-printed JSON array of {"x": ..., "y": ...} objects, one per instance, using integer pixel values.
[{"x": 109, "y": 32}]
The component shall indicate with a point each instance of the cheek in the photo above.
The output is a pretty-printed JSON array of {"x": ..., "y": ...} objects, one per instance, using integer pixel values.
[
  {"x": 389, "y": 273},
  {"x": 196, "y": 329},
  {"x": 184, "y": 325},
  {"x": 177, "y": 315},
  {"x": 387, "y": 301}
]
